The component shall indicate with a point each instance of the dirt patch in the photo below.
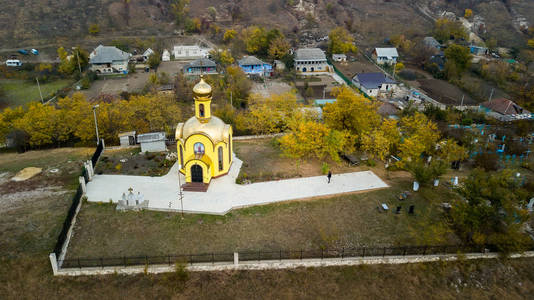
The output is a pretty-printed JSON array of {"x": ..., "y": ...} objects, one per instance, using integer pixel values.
[
  {"x": 132, "y": 162},
  {"x": 445, "y": 92}
]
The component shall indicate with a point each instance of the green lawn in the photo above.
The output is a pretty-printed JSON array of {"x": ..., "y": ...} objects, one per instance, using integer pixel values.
[{"x": 19, "y": 92}]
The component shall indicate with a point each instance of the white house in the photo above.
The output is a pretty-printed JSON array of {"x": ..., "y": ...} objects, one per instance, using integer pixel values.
[
  {"x": 166, "y": 56},
  {"x": 339, "y": 57},
  {"x": 311, "y": 60},
  {"x": 374, "y": 83},
  {"x": 108, "y": 60},
  {"x": 152, "y": 142},
  {"x": 190, "y": 52},
  {"x": 147, "y": 53},
  {"x": 386, "y": 55}
]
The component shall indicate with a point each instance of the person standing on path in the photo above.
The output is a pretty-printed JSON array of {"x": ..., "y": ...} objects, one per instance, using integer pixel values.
[{"x": 329, "y": 176}]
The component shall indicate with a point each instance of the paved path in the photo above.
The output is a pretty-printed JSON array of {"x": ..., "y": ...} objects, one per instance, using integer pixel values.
[{"x": 223, "y": 193}]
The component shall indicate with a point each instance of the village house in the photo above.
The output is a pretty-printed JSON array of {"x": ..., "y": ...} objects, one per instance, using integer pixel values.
[
  {"x": 190, "y": 52},
  {"x": 152, "y": 142},
  {"x": 147, "y": 54},
  {"x": 200, "y": 66},
  {"x": 374, "y": 83},
  {"x": 386, "y": 55},
  {"x": 339, "y": 57},
  {"x": 431, "y": 42},
  {"x": 251, "y": 65},
  {"x": 166, "y": 56},
  {"x": 109, "y": 60},
  {"x": 504, "y": 110},
  {"x": 311, "y": 60}
]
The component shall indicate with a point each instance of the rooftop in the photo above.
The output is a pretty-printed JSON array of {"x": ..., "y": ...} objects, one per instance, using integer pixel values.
[
  {"x": 387, "y": 52},
  {"x": 107, "y": 54},
  {"x": 505, "y": 107},
  {"x": 201, "y": 62},
  {"x": 372, "y": 80},
  {"x": 431, "y": 42},
  {"x": 250, "y": 60},
  {"x": 310, "y": 54}
]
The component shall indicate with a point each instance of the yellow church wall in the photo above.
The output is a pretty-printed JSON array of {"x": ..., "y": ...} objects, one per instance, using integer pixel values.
[
  {"x": 207, "y": 107},
  {"x": 206, "y": 170}
]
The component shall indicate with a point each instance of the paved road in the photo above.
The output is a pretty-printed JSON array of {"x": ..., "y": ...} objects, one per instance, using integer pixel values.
[{"x": 224, "y": 194}]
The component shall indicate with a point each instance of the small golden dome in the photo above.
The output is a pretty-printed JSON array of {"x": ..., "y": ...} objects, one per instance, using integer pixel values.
[{"x": 202, "y": 88}]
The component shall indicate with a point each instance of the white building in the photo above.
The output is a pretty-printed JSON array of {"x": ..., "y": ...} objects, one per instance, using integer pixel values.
[
  {"x": 127, "y": 138},
  {"x": 190, "y": 52},
  {"x": 152, "y": 142},
  {"x": 374, "y": 83},
  {"x": 166, "y": 56},
  {"x": 147, "y": 53},
  {"x": 108, "y": 60},
  {"x": 339, "y": 57},
  {"x": 311, "y": 60},
  {"x": 386, "y": 55}
]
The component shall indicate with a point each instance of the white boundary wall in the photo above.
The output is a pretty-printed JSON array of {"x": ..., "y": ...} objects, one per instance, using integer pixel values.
[{"x": 280, "y": 264}]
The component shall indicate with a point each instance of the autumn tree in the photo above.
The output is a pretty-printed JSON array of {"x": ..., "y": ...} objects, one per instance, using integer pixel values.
[
  {"x": 236, "y": 85},
  {"x": 458, "y": 58},
  {"x": 94, "y": 29},
  {"x": 222, "y": 57},
  {"x": 419, "y": 135},
  {"x": 310, "y": 139},
  {"x": 445, "y": 29},
  {"x": 278, "y": 48},
  {"x": 180, "y": 9},
  {"x": 271, "y": 114},
  {"x": 468, "y": 13},
  {"x": 341, "y": 41},
  {"x": 212, "y": 12},
  {"x": 351, "y": 112},
  {"x": 491, "y": 212},
  {"x": 382, "y": 141},
  {"x": 229, "y": 35}
]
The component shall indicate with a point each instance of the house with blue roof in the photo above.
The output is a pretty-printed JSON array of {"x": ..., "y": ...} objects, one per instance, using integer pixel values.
[
  {"x": 374, "y": 83},
  {"x": 252, "y": 65}
]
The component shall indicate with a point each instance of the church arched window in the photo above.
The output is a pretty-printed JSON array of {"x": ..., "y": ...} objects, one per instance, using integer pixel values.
[
  {"x": 230, "y": 149},
  {"x": 220, "y": 158},
  {"x": 182, "y": 156},
  {"x": 201, "y": 110}
]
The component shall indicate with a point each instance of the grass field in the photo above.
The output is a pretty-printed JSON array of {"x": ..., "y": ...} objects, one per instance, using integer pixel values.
[{"x": 19, "y": 92}]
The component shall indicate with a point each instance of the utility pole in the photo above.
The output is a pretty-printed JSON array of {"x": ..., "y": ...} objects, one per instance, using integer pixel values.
[
  {"x": 231, "y": 101},
  {"x": 39, "y": 87},
  {"x": 462, "y": 104},
  {"x": 491, "y": 95},
  {"x": 96, "y": 124}
]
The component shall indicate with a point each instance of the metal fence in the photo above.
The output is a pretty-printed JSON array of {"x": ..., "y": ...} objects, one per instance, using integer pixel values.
[
  {"x": 75, "y": 202},
  {"x": 280, "y": 255}
]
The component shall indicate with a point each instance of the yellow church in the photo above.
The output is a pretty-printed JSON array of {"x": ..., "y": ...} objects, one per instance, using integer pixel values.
[{"x": 204, "y": 143}]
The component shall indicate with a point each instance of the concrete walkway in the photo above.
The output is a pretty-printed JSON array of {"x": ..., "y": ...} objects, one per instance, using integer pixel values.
[{"x": 224, "y": 194}]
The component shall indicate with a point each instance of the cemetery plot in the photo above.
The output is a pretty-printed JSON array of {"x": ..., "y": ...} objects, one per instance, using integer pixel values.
[{"x": 344, "y": 221}]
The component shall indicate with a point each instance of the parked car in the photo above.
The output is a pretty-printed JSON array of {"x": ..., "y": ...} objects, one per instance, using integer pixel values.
[
  {"x": 13, "y": 63},
  {"x": 23, "y": 52},
  {"x": 35, "y": 52}
]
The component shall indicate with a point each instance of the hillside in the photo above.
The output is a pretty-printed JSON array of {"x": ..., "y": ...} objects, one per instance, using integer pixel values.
[{"x": 39, "y": 22}]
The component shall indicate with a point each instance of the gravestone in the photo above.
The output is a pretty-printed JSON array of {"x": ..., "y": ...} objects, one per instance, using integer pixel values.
[
  {"x": 398, "y": 211},
  {"x": 411, "y": 209}
]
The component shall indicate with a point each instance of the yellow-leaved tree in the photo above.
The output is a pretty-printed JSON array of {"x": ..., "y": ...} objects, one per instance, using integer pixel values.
[
  {"x": 382, "y": 141},
  {"x": 352, "y": 112},
  {"x": 271, "y": 114},
  {"x": 341, "y": 41},
  {"x": 278, "y": 47},
  {"x": 40, "y": 122},
  {"x": 450, "y": 151},
  {"x": 420, "y": 135},
  {"x": 311, "y": 139}
]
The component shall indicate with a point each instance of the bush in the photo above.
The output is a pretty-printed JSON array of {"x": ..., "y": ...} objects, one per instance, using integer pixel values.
[{"x": 325, "y": 168}]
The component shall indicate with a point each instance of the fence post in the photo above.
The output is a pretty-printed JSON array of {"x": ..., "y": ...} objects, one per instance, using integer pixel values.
[
  {"x": 102, "y": 263},
  {"x": 300, "y": 254},
  {"x": 79, "y": 265},
  {"x": 384, "y": 252},
  {"x": 53, "y": 262},
  {"x": 236, "y": 258},
  {"x": 124, "y": 261},
  {"x": 212, "y": 258},
  {"x": 169, "y": 259},
  {"x": 322, "y": 254},
  {"x": 280, "y": 254},
  {"x": 404, "y": 252},
  {"x": 81, "y": 179},
  {"x": 191, "y": 259},
  {"x": 342, "y": 252},
  {"x": 424, "y": 250},
  {"x": 259, "y": 256},
  {"x": 146, "y": 260}
]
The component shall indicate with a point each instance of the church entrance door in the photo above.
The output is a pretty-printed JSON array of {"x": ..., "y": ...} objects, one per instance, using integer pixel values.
[{"x": 196, "y": 173}]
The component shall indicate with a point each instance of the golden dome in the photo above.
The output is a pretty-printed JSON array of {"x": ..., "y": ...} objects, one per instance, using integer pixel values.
[
  {"x": 215, "y": 129},
  {"x": 202, "y": 88}
]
